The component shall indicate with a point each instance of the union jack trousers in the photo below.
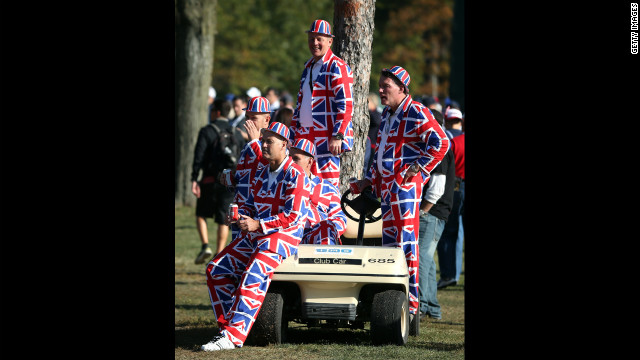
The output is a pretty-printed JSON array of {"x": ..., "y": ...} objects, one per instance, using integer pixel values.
[
  {"x": 415, "y": 137},
  {"x": 239, "y": 276},
  {"x": 326, "y": 221},
  {"x": 331, "y": 110}
]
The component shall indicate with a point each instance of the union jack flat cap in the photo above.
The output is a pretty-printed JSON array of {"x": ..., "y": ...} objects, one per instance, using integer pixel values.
[
  {"x": 402, "y": 75},
  {"x": 306, "y": 146},
  {"x": 321, "y": 27},
  {"x": 258, "y": 104},
  {"x": 279, "y": 129}
]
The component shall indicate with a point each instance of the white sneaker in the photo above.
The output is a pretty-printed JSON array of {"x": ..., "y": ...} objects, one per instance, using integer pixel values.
[{"x": 219, "y": 342}]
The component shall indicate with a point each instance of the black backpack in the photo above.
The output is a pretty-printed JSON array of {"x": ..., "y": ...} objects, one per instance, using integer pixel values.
[{"x": 226, "y": 150}]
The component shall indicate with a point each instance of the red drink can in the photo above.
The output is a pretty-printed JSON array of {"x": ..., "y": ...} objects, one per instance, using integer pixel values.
[
  {"x": 233, "y": 212},
  {"x": 353, "y": 183}
]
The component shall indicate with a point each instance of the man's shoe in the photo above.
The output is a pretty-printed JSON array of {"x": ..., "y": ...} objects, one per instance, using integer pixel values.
[
  {"x": 219, "y": 342},
  {"x": 205, "y": 254},
  {"x": 423, "y": 316},
  {"x": 443, "y": 283}
]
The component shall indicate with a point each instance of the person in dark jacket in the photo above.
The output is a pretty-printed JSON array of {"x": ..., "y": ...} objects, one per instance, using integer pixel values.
[{"x": 213, "y": 198}]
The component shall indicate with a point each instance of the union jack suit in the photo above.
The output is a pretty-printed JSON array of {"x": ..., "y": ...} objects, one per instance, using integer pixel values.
[
  {"x": 331, "y": 109},
  {"x": 238, "y": 277},
  {"x": 248, "y": 164},
  {"x": 326, "y": 220},
  {"x": 415, "y": 137}
]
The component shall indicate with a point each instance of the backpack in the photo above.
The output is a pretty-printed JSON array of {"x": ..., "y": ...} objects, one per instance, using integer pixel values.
[{"x": 226, "y": 150}]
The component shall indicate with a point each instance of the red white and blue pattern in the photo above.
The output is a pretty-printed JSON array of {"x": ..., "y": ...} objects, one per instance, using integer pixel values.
[
  {"x": 306, "y": 146},
  {"x": 415, "y": 137},
  {"x": 238, "y": 277},
  {"x": 326, "y": 221},
  {"x": 250, "y": 162},
  {"x": 401, "y": 74},
  {"x": 331, "y": 109},
  {"x": 279, "y": 129},
  {"x": 321, "y": 27},
  {"x": 237, "y": 285},
  {"x": 258, "y": 104}
]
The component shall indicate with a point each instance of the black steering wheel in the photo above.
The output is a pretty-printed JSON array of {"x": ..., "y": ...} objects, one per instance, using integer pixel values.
[{"x": 365, "y": 205}]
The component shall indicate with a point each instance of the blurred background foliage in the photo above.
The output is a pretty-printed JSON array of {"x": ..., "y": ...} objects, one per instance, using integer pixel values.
[{"x": 263, "y": 43}]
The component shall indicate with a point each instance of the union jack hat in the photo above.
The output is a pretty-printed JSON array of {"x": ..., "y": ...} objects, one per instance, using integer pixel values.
[
  {"x": 401, "y": 74},
  {"x": 306, "y": 146},
  {"x": 279, "y": 129},
  {"x": 321, "y": 27},
  {"x": 258, "y": 104},
  {"x": 453, "y": 114}
]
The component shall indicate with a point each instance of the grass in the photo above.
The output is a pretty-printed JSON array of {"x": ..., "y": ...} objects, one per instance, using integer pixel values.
[{"x": 195, "y": 325}]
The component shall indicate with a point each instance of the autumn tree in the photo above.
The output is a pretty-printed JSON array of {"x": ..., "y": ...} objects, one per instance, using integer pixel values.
[
  {"x": 195, "y": 25},
  {"x": 415, "y": 34},
  {"x": 353, "y": 25}
]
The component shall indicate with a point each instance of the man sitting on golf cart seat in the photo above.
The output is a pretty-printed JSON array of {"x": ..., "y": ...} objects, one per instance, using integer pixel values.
[{"x": 325, "y": 221}]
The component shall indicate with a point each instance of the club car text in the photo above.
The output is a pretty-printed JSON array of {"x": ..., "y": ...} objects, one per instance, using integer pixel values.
[{"x": 332, "y": 261}]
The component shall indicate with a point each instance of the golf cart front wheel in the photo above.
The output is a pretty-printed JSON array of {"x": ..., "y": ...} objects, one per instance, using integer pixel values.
[
  {"x": 390, "y": 318},
  {"x": 270, "y": 326}
]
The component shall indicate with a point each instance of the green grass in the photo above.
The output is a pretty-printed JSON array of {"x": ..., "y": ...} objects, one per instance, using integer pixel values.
[{"x": 195, "y": 325}]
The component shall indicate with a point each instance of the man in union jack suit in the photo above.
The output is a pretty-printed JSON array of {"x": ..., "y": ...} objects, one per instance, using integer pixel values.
[
  {"x": 257, "y": 115},
  {"x": 325, "y": 103},
  {"x": 326, "y": 221},
  {"x": 272, "y": 224},
  {"x": 410, "y": 143}
]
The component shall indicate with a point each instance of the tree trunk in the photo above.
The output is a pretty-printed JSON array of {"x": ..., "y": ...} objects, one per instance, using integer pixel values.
[
  {"x": 195, "y": 24},
  {"x": 353, "y": 29}
]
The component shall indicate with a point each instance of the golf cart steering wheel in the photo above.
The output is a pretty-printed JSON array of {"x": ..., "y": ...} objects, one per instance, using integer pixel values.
[{"x": 365, "y": 205}]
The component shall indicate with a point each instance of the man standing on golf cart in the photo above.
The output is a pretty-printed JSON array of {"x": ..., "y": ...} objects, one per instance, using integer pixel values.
[
  {"x": 326, "y": 221},
  {"x": 325, "y": 103},
  {"x": 271, "y": 223},
  {"x": 410, "y": 143}
]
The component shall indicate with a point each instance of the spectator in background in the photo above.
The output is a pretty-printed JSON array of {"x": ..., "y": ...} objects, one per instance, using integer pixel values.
[
  {"x": 435, "y": 207},
  {"x": 284, "y": 115},
  {"x": 286, "y": 100},
  {"x": 239, "y": 103},
  {"x": 453, "y": 122},
  {"x": 373, "y": 101},
  {"x": 213, "y": 198},
  {"x": 327, "y": 83},
  {"x": 210, "y": 98},
  {"x": 409, "y": 146},
  {"x": 432, "y": 103},
  {"x": 452, "y": 240},
  {"x": 253, "y": 92},
  {"x": 273, "y": 95}
]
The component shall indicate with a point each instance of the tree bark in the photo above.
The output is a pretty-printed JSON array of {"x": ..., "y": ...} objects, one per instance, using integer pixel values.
[
  {"x": 353, "y": 29},
  {"x": 195, "y": 24}
]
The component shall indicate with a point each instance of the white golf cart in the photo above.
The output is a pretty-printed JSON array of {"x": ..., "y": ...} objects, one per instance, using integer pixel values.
[{"x": 342, "y": 286}]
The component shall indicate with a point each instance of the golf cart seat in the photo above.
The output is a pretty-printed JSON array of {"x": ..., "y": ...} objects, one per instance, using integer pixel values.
[
  {"x": 371, "y": 235},
  {"x": 366, "y": 227}
]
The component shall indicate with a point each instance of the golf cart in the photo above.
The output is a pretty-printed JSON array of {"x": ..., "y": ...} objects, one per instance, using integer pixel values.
[{"x": 342, "y": 286}]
